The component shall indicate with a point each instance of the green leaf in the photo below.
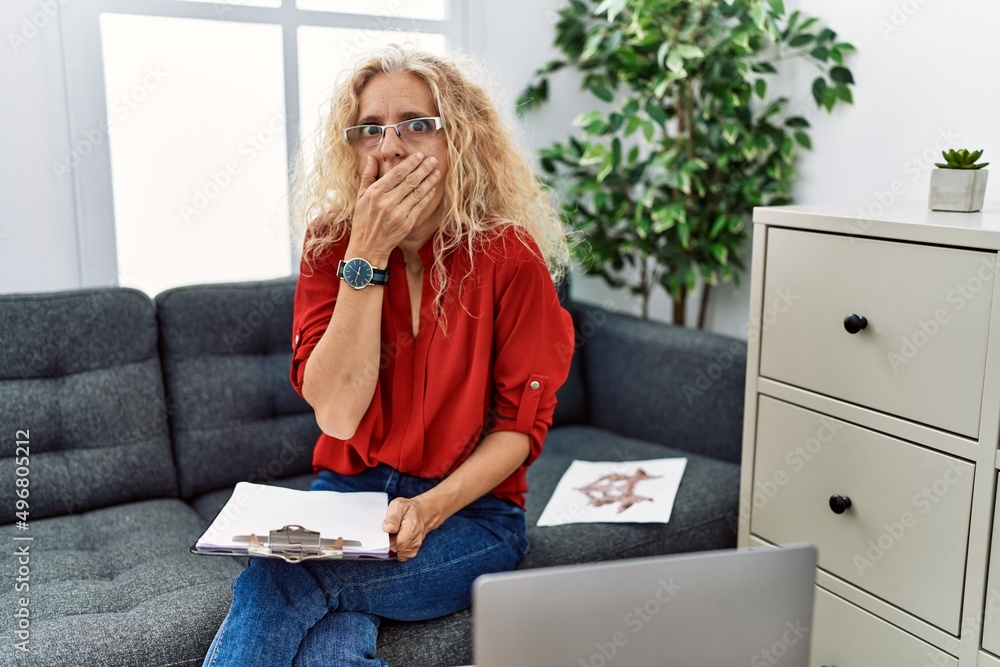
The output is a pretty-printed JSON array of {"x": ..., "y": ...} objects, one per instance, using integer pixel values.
[
  {"x": 764, "y": 68},
  {"x": 826, "y": 35},
  {"x": 664, "y": 218},
  {"x": 841, "y": 75},
  {"x": 787, "y": 150},
  {"x": 801, "y": 40},
  {"x": 675, "y": 63},
  {"x": 690, "y": 279},
  {"x": 793, "y": 18},
  {"x": 819, "y": 90},
  {"x": 641, "y": 226},
  {"x": 803, "y": 140},
  {"x": 718, "y": 226},
  {"x": 633, "y": 124},
  {"x": 820, "y": 53},
  {"x": 777, "y": 7},
  {"x": 758, "y": 14},
  {"x": 845, "y": 47},
  {"x": 656, "y": 112},
  {"x": 730, "y": 131},
  {"x": 648, "y": 129},
  {"x": 796, "y": 121},
  {"x": 662, "y": 86},
  {"x": 684, "y": 234},
  {"x": 601, "y": 91},
  {"x": 829, "y": 99},
  {"x": 594, "y": 154},
  {"x": 760, "y": 87},
  {"x": 588, "y": 118},
  {"x": 592, "y": 45},
  {"x": 661, "y": 54},
  {"x": 720, "y": 252},
  {"x": 607, "y": 166},
  {"x": 689, "y": 51},
  {"x": 612, "y": 7},
  {"x": 844, "y": 93}
]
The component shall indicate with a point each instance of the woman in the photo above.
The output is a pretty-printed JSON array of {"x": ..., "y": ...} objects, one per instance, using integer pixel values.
[{"x": 429, "y": 339}]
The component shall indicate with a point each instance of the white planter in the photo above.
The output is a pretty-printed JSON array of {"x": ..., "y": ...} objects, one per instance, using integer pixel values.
[{"x": 957, "y": 189}]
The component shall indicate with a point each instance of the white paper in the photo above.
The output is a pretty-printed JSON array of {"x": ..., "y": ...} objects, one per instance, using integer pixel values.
[
  {"x": 615, "y": 492},
  {"x": 258, "y": 509}
]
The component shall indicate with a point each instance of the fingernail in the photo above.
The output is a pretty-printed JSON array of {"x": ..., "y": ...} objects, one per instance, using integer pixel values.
[
  {"x": 433, "y": 161},
  {"x": 420, "y": 156}
]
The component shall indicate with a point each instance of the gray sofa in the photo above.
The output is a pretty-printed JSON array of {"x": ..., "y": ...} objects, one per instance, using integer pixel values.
[{"x": 131, "y": 419}]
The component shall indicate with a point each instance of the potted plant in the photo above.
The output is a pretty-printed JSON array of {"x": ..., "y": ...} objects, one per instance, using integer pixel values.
[
  {"x": 959, "y": 183},
  {"x": 661, "y": 187}
]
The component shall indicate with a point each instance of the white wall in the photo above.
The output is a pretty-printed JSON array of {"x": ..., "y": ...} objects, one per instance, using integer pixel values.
[
  {"x": 38, "y": 235},
  {"x": 925, "y": 69}
]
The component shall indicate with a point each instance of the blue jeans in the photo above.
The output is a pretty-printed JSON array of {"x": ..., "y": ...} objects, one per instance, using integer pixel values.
[{"x": 327, "y": 612}]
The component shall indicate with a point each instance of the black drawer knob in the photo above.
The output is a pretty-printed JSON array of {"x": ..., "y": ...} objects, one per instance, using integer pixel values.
[
  {"x": 855, "y": 323},
  {"x": 839, "y": 504}
]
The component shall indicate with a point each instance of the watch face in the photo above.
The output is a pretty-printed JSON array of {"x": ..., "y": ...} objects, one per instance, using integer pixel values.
[{"x": 357, "y": 273}]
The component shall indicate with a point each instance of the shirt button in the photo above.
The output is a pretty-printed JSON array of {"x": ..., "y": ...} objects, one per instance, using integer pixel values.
[{"x": 534, "y": 385}]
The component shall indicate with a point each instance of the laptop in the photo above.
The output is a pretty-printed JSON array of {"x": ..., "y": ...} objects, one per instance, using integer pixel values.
[{"x": 708, "y": 609}]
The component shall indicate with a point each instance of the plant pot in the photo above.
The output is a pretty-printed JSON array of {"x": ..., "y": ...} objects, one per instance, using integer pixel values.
[{"x": 957, "y": 189}]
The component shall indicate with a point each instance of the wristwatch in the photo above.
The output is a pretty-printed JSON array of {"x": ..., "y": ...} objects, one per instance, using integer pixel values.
[{"x": 358, "y": 273}]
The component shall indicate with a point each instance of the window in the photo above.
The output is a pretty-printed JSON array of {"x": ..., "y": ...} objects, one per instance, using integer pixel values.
[{"x": 199, "y": 109}]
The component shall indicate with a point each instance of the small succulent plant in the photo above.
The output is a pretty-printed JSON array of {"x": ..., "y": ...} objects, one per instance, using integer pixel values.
[{"x": 961, "y": 159}]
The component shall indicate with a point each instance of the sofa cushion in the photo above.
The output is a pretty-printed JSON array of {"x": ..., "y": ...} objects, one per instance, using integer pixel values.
[
  {"x": 80, "y": 384},
  {"x": 703, "y": 516},
  {"x": 441, "y": 642},
  {"x": 667, "y": 384},
  {"x": 117, "y": 586},
  {"x": 233, "y": 413}
]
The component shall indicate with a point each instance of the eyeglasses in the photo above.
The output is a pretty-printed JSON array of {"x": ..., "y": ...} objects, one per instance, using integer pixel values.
[{"x": 411, "y": 131}]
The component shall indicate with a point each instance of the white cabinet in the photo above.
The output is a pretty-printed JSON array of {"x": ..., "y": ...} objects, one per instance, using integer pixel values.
[{"x": 872, "y": 425}]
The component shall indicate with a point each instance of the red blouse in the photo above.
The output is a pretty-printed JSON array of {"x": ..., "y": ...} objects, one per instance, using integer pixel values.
[{"x": 507, "y": 350}]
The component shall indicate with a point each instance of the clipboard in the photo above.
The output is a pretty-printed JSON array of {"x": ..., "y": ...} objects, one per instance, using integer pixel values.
[
  {"x": 241, "y": 527},
  {"x": 292, "y": 544}
]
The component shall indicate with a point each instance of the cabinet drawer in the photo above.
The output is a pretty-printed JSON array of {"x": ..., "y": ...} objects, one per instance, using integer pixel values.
[
  {"x": 923, "y": 353},
  {"x": 991, "y": 609},
  {"x": 845, "y": 635},
  {"x": 905, "y": 535}
]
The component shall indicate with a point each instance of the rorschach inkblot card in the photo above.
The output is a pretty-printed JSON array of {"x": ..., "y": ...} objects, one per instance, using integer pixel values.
[{"x": 615, "y": 492}]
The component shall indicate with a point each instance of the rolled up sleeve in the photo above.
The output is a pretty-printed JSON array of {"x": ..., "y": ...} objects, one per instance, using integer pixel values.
[
  {"x": 533, "y": 346},
  {"x": 315, "y": 298}
]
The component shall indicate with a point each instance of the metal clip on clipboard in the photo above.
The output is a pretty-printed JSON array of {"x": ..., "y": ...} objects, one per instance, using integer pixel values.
[{"x": 295, "y": 544}]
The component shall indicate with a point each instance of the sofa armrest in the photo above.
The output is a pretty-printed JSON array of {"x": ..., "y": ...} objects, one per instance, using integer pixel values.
[{"x": 675, "y": 386}]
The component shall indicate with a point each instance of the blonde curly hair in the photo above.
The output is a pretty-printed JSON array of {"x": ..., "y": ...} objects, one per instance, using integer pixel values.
[{"x": 490, "y": 184}]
